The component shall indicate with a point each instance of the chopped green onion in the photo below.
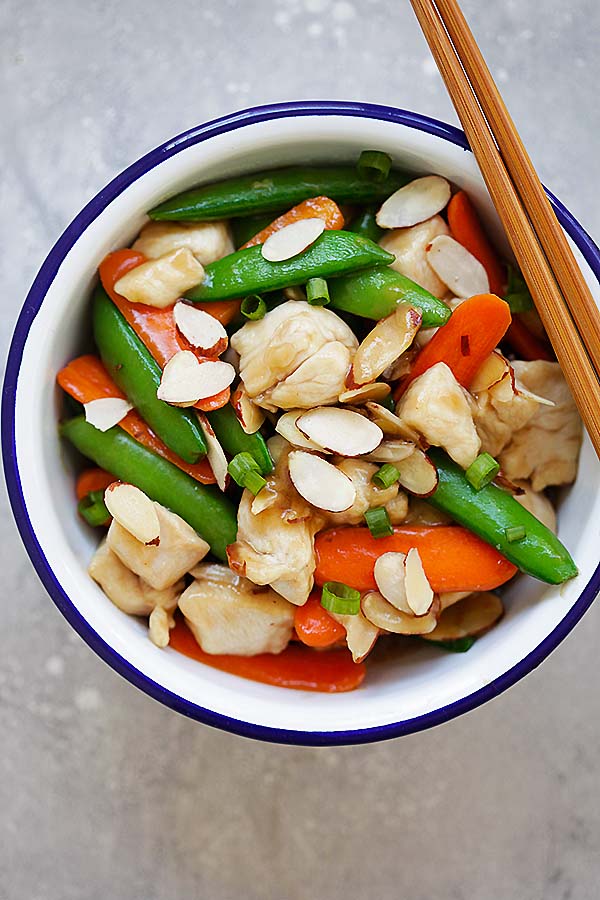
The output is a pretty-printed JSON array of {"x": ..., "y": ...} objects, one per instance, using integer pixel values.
[
  {"x": 253, "y": 307},
  {"x": 459, "y": 645},
  {"x": 517, "y": 293},
  {"x": 245, "y": 471},
  {"x": 317, "y": 292},
  {"x": 482, "y": 470},
  {"x": 386, "y": 476},
  {"x": 374, "y": 165},
  {"x": 93, "y": 508},
  {"x": 341, "y": 599},
  {"x": 379, "y": 522},
  {"x": 388, "y": 402},
  {"x": 515, "y": 533}
]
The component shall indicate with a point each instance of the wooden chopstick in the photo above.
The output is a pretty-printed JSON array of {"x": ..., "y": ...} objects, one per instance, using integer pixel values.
[{"x": 579, "y": 368}]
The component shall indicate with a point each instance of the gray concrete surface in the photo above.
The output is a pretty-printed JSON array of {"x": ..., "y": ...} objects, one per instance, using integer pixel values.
[{"x": 104, "y": 793}]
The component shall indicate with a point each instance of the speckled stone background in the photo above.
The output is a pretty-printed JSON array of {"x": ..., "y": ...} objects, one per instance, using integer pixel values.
[{"x": 106, "y": 794}]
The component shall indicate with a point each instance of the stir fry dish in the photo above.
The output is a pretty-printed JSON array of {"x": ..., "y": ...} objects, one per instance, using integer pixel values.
[{"x": 322, "y": 410}]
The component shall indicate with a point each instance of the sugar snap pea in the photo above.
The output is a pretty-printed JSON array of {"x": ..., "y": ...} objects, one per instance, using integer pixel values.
[
  {"x": 234, "y": 439},
  {"x": 366, "y": 225}
]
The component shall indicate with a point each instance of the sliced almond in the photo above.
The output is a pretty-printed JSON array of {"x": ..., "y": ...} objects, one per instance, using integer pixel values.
[
  {"x": 449, "y": 598},
  {"x": 419, "y": 200},
  {"x": 391, "y": 452},
  {"x": 361, "y": 634},
  {"x": 384, "y": 344},
  {"x": 287, "y": 428},
  {"x": 390, "y": 575},
  {"x": 106, "y": 412},
  {"x": 385, "y": 616},
  {"x": 133, "y": 510},
  {"x": 200, "y": 328},
  {"x": 491, "y": 371},
  {"x": 418, "y": 475},
  {"x": 390, "y": 423},
  {"x": 250, "y": 416},
  {"x": 418, "y": 590},
  {"x": 468, "y": 618},
  {"x": 215, "y": 453},
  {"x": 341, "y": 431},
  {"x": 320, "y": 482},
  {"x": 523, "y": 392},
  {"x": 185, "y": 379},
  {"x": 160, "y": 282},
  {"x": 456, "y": 267},
  {"x": 292, "y": 240},
  {"x": 376, "y": 391}
]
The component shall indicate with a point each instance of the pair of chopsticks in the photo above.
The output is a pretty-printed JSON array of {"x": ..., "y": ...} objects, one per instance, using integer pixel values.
[{"x": 560, "y": 293}]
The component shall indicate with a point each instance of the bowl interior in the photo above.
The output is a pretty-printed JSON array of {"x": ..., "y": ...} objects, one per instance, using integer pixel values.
[{"x": 401, "y": 685}]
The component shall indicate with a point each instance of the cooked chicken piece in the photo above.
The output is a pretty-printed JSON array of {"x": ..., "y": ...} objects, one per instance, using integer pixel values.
[
  {"x": 368, "y": 495},
  {"x": 422, "y": 513},
  {"x": 160, "y": 566},
  {"x": 408, "y": 246},
  {"x": 228, "y": 614},
  {"x": 274, "y": 349},
  {"x": 208, "y": 241},
  {"x": 546, "y": 450},
  {"x": 538, "y": 504},
  {"x": 437, "y": 407},
  {"x": 160, "y": 282},
  {"x": 498, "y": 412},
  {"x": 397, "y": 509},
  {"x": 131, "y": 593},
  {"x": 275, "y": 539}
]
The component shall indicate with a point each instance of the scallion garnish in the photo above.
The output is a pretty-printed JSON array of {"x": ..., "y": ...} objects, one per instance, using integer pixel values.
[
  {"x": 379, "y": 522},
  {"x": 386, "y": 476},
  {"x": 374, "y": 165},
  {"x": 482, "y": 470},
  {"x": 458, "y": 645},
  {"x": 517, "y": 293},
  {"x": 317, "y": 292},
  {"x": 515, "y": 533},
  {"x": 338, "y": 598},
  {"x": 245, "y": 471},
  {"x": 388, "y": 402},
  {"x": 253, "y": 307},
  {"x": 93, "y": 508}
]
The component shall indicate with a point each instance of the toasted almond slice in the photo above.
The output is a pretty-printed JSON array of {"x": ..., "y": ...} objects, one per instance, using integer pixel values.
[
  {"x": 215, "y": 453},
  {"x": 390, "y": 423},
  {"x": 133, "y": 510},
  {"x": 340, "y": 431},
  {"x": 418, "y": 590},
  {"x": 159, "y": 624},
  {"x": 361, "y": 634},
  {"x": 384, "y": 344},
  {"x": 449, "y": 598},
  {"x": 376, "y": 391},
  {"x": 390, "y": 576},
  {"x": 292, "y": 240},
  {"x": 185, "y": 379},
  {"x": 391, "y": 452},
  {"x": 503, "y": 391},
  {"x": 250, "y": 415},
  {"x": 523, "y": 392},
  {"x": 418, "y": 475},
  {"x": 385, "y": 616},
  {"x": 160, "y": 282},
  {"x": 287, "y": 428},
  {"x": 277, "y": 446},
  {"x": 456, "y": 267},
  {"x": 490, "y": 372},
  {"x": 106, "y": 412},
  {"x": 468, "y": 618},
  {"x": 419, "y": 200},
  {"x": 319, "y": 482},
  {"x": 200, "y": 328}
]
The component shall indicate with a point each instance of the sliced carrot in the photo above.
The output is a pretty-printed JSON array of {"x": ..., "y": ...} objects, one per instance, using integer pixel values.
[
  {"x": 327, "y": 671},
  {"x": 92, "y": 480},
  {"x": 454, "y": 559},
  {"x": 86, "y": 379},
  {"x": 467, "y": 229},
  {"x": 525, "y": 344},
  {"x": 314, "y": 208},
  {"x": 474, "y": 329},
  {"x": 314, "y": 626}
]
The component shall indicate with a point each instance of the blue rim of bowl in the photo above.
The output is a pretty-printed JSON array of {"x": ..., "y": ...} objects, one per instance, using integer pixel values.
[{"x": 30, "y": 308}]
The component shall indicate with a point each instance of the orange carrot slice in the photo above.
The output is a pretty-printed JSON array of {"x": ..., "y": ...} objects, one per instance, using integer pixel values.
[
  {"x": 467, "y": 229},
  {"x": 314, "y": 626},
  {"x": 314, "y": 208}
]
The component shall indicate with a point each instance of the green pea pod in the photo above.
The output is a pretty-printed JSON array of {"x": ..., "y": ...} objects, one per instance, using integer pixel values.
[
  {"x": 366, "y": 225},
  {"x": 234, "y": 439},
  {"x": 202, "y": 506},
  {"x": 491, "y": 513},
  {"x": 248, "y": 272},
  {"x": 245, "y": 228},
  {"x": 136, "y": 372},
  {"x": 275, "y": 190},
  {"x": 375, "y": 294}
]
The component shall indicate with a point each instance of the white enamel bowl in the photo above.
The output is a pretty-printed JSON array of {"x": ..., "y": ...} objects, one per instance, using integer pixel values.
[{"x": 412, "y": 690}]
